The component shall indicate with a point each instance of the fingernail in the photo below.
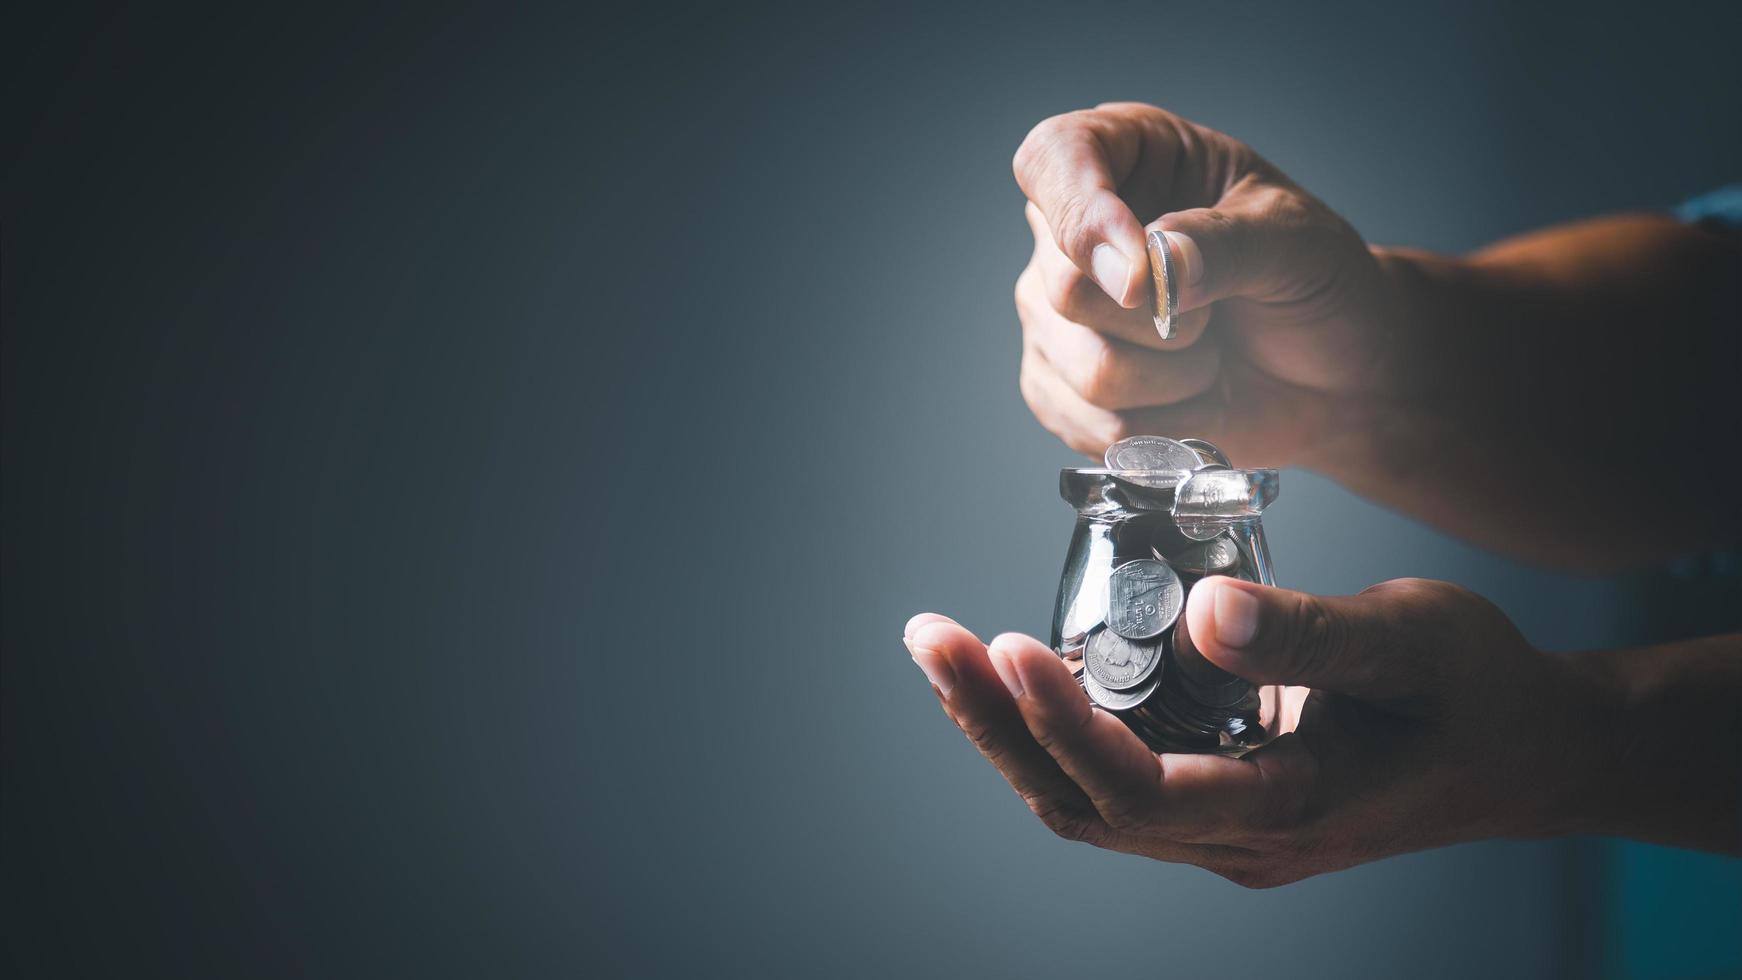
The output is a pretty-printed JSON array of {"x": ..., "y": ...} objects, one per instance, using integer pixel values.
[
  {"x": 1006, "y": 671},
  {"x": 916, "y": 623},
  {"x": 1112, "y": 271},
  {"x": 1187, "y": 257},
  {"x": 1236, "y": 617},
  {"x": 936, "y": 668}
]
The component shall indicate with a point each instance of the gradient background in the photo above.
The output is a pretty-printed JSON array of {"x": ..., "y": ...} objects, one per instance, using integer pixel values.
[{"x": 465, "y": 474}]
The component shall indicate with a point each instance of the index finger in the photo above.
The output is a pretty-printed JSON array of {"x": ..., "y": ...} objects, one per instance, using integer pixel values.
[
  {"x": 1079, "y": 299},
  {"x": 1070, "y": 166}
]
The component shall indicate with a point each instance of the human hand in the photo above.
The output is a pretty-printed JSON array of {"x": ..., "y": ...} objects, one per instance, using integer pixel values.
[
  {"x": 1413, "y": 379},
  {"x": 1430, "y": 721},
  {"x": 1280, "y": 300}
]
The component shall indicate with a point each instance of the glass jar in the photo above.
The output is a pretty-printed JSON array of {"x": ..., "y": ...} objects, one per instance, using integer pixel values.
[{"x": 1142, "y": 539}]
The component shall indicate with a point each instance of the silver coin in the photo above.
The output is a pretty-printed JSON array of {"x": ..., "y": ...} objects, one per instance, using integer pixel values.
[
  {"x": 1168, "y": 717},
  {"x": 1117, "y": 700},
  {"x": 1196, "y": 526},
  {"x": 1144, "y": 598},
  {"x": 1202, "y": 530},
  {"x": 1121, "y": 664},
  {"x": 1166, "y": 302},
  {"x": 1206, "y": 451},
  {"x": 1147, "y": 490},
  {"x": 1205, "y": 557},
  {"x": 1150, "y": 453},
  {"x": 1072, "y": 646}
]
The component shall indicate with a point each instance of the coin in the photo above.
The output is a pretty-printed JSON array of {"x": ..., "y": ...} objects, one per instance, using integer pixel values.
[
  {"x": 1171, "y": 715},
  {"x": 1166, "y": 304},
  {"x": 1206, "y": 451},
  {"x": 1146, "y": 490},
  {"x": 1119, "y": 663},
  {"x": 1150, "y": 453},
  {"x": 1205, "y": 557},
  {"x": 1143, "y": 599},
  {"x": 1163, "y": 731},
  {"x": 1117, "y": 700},
  {"x": 1194, "y": 525},
  {"x": 1201, "y": 530}
]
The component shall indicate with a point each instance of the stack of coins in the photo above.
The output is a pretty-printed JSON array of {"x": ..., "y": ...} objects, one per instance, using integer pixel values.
[{"x": 1138, "y": 661}]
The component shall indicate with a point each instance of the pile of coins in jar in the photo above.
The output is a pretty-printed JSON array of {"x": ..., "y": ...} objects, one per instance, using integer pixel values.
[{"x": 1131, "y": 650}]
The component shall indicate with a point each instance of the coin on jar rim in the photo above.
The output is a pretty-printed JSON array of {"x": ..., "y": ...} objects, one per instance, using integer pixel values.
[
  {"x": 1120, "y": 664},
  {"x": 1150, "y": 453},
  {"x": 1206, "y": 451},
  {"x": 1143, "y": 599},
  {"x": 1117, "y": 700}
]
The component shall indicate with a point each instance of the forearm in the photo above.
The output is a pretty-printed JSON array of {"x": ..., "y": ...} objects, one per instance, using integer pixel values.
[
  {"x": 1660, "y": 754},
  {"x": 1566, "y": 396}
]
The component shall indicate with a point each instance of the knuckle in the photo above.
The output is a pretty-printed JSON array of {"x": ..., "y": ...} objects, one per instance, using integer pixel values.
[
  {"x": 1079, "y": 829},
  {"x": 1280, "y": 209},
  {"x": 1065, "y": 289},
  {"x": 1067, "y": 822},
  {"x": 1025, "y": 292},
  {"x": 1407, "y": 587},
  {"x": 1219, "y": 232},
  {"x": 1076, "y": 237},
  {"x": 1122, "y": 814},
  {"x": 1026, "y": 383},
  {"x": 1276, "y": 813},
  {"x": 1117, "y": 426},
  {"x": 1053, "y": 730},
  {"x": 1047, "y": 130},
  {"x": 1028, "y": 151},
  {"x": 984, "y": 739},
  {"x": 1238, "y": 874},
  {"x": 1320, "y": 635},
  {"x": 1256, "y": 877},
  {"x": 1088, "y": 445},
  {"x": 1047, "y": 737},
  {"x": 1033, "y": 148},
  {"x": 1219, "y": 221},
  {"x": 1099, "y": 375},
  {"x": 1432, "y": 601},
  {"x": 1435, "y": 591}
]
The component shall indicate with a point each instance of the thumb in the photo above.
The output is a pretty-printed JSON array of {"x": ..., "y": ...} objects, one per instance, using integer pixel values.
[
  {"x": 1348, "y": 644},
  {"x": 1249, "y": 245}
]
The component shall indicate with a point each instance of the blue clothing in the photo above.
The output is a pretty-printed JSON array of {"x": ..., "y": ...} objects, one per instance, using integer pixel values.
[{"x": 1722, "y": 208}]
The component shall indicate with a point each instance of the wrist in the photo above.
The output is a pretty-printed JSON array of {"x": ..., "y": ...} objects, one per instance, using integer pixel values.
[
  {"x": 1580, "y": 736},
  {"x": 1653, "y": 745},
  {"x": 1370, "y": 429}
]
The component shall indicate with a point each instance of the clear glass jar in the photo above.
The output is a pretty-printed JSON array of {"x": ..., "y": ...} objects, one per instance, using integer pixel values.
[{"x": 1172, "y": 528}]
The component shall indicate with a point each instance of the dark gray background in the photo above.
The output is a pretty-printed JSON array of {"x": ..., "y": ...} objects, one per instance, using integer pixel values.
[{"x": 465, "y": 474}]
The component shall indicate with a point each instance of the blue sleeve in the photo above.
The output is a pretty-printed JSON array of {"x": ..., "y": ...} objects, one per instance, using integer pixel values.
[{"x": 1721, "y": 208}]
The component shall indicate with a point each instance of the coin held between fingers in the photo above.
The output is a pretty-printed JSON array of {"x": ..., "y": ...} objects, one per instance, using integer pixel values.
[{"x": 1165, "y": 304}]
